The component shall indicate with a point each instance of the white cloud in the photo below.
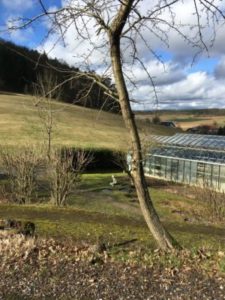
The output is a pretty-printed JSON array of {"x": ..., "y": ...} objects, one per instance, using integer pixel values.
[
  {"x": 182, "y": 42},
  {"x": 197, "y": 89},
  {"x": 74, "y": 49},
  {"x": 20, "y": 36},
  {"x": 161, "y": 73}
]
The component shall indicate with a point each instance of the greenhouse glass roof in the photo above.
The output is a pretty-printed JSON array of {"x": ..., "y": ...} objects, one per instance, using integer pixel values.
[
  {"x": 197, "y": 141},
  {"x": 190, "y": 154},
  {"x": 210, "y": 148}
]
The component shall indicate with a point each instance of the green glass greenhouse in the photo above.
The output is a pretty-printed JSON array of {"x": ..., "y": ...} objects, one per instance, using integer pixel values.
[{"x": 188, "y": 158}]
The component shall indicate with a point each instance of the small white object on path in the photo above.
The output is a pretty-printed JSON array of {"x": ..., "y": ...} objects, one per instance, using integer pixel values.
[{"x": 114, "y": 181}]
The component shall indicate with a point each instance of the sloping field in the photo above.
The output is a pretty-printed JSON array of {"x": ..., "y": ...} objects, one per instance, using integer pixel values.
[
  {"x": 20, "y": 123},
  {"x": 188, "y": 119}
]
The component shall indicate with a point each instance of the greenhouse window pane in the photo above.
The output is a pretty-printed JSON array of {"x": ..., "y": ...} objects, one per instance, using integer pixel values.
[
  {"x": 187, "y": 171},
  {"x": 181, "y": 171},
  {"x": 208, "y": 175},
  {"x": 200, "y": 172},
  {"x": 222, "y": 177},
  {"x": 163, "y": 166},
  {"x": 215, "y": 177},
  {"x": 168, "y": 168},
  {"x": 174, "y": 169},
  {"x": 147, "y": 165},
  {"x": 152, "y": 165},
  {"x": 158, "y": 167},
  {"x": 193, "y": 177}
]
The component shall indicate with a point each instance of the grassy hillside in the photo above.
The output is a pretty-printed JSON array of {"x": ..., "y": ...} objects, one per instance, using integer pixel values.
[{"x": 73, "y": 125}]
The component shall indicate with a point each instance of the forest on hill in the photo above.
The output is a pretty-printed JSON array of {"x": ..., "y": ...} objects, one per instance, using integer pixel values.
[{"x": 20, "y": 68}]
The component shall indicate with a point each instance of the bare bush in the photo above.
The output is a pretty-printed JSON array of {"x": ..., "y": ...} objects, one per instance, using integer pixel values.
[
  {"x": 65, "y": 170},
  {"x": 214, "y": 202},
  {"x": 21, "y": 167}
]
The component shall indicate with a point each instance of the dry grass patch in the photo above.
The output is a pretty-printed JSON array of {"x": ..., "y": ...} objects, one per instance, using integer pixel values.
[{"x": 14, "y": 246}]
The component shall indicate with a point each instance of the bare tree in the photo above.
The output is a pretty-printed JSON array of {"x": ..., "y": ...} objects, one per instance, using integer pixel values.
[
  {"x": 119, "y": 25},
  {"x": 45, "y": 91}
]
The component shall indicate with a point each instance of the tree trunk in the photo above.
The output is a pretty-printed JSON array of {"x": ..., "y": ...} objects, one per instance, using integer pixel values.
[{"x": 163, "y": 238}]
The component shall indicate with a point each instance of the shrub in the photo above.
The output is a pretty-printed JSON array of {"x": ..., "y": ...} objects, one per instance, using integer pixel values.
[
  {"x": 156, "y": 120},
  {"x": 21, "y": 167},
  {"x": 103, "y": 161},
  {"x": 65, "y": 169},
  {"x": 214, "y": 201}
]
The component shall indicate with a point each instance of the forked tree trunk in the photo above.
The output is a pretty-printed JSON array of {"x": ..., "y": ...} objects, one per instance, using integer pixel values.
[{"x": 161, "y": 235}]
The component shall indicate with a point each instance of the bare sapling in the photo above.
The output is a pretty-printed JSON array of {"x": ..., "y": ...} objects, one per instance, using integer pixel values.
[{"x": 46, "y": 91}]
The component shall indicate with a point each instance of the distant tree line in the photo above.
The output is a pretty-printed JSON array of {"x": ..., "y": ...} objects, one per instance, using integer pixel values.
[
  {"x": 196, "y": 112},
  {"x": 207, "y": 129},
  {"x": 20, "y": 66}
]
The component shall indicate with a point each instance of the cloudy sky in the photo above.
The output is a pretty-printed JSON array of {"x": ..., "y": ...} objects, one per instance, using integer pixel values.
[{"x": 183, "y": 77}]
